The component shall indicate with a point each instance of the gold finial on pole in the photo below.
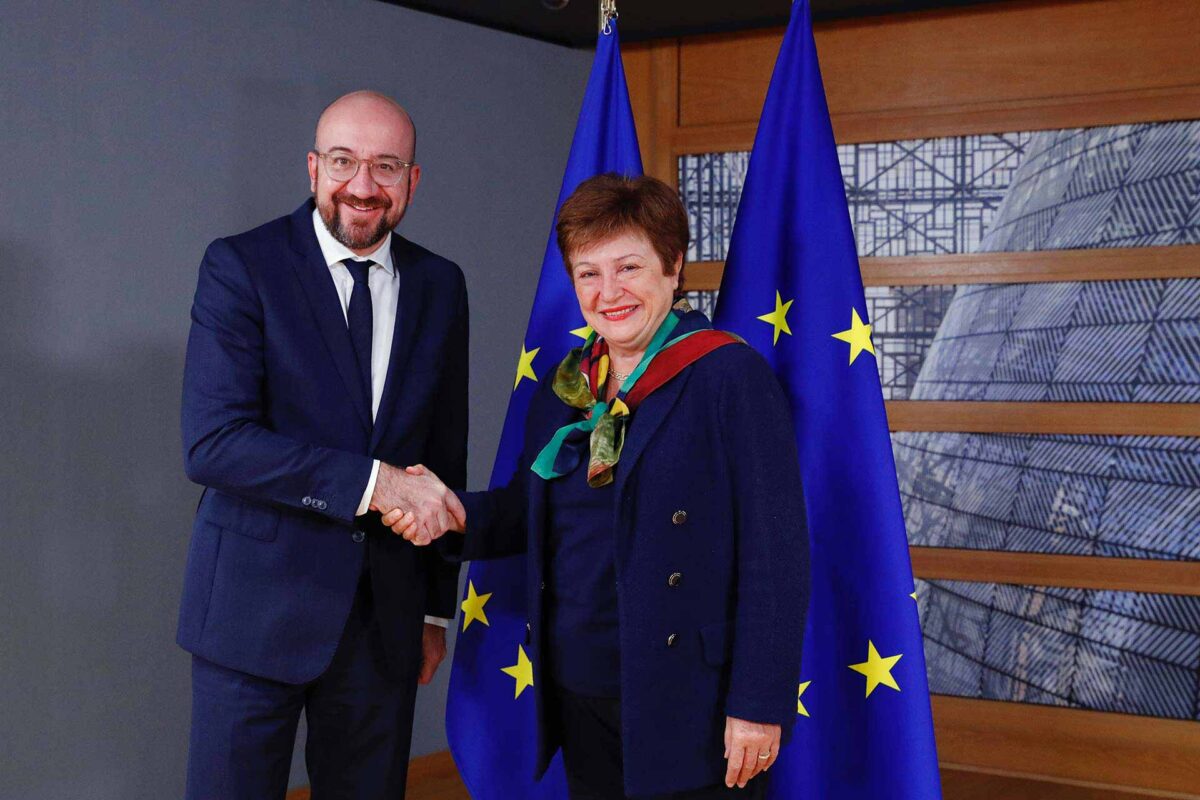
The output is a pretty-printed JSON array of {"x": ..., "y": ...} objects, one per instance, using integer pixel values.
[{"x": 608, "y": 12}]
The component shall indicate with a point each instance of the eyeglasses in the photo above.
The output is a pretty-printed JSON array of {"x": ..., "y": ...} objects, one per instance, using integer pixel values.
[{"x": 343, "y": 167}]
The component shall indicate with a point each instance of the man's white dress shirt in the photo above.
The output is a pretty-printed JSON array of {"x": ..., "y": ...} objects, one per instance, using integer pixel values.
[{"x": 385, "y": 296}]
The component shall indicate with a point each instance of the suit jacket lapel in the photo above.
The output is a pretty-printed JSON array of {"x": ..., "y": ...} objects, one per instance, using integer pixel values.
[
  {"x": 646, "y": 421},
  {"x": 410, "y": 309},
  {"x": 326, "y": 308}
]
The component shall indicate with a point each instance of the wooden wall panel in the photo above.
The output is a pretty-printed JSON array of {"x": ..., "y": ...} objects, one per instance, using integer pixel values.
[
  {"x": 982, "y": 69},
  {"x": 973, "y": 783},
  {"x": 723, "y": 79},
  {"x": 652, "y": 73},
  {"x": 1095, "y": 747}
]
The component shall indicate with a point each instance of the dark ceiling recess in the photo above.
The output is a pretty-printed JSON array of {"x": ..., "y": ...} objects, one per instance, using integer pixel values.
[{"x": 573, "y": 22}]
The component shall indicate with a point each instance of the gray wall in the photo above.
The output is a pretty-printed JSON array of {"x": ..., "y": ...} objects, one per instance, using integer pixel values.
[{"x": 131, "y": 134}]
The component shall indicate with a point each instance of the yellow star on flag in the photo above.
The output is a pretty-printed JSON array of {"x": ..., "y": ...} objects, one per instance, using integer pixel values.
[
  {"x": 914, "y": 594},
  {"x": 522, "y": 671},
  {"x": 583, "y": 333},
  {"x": 525, "y": 366},
  {"x": 778, "y": 317},
  {"x": 858, "y": 336},
  {"x": 473, "y": 606},
  {"x": 800, "y": 709},
  {"x": 877, "y": 669}
]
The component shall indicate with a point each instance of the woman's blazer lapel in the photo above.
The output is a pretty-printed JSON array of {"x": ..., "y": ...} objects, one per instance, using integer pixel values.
[{"x": 646, "y": 421}]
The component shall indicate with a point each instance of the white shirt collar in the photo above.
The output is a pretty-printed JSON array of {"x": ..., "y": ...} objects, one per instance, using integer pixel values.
[{"x": 335, "y": 252}]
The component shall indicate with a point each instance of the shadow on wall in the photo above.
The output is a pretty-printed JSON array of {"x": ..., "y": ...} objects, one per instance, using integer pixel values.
[{"x": 93, "y": 542}]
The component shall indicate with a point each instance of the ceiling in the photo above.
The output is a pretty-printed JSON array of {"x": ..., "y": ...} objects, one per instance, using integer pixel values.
[{"x": 573, "y": 22}]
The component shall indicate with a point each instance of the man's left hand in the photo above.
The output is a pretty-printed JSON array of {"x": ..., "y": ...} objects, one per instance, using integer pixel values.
[{"x": 433, "y": 650}]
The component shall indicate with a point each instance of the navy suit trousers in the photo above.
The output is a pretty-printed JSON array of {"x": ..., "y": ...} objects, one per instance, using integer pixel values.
[{"x": 359, "y": 724}]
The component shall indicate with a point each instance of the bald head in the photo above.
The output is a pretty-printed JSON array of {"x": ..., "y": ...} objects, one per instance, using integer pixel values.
[
  {"x": 368, "y": 115},
  {"x": 366, "y": 199}
]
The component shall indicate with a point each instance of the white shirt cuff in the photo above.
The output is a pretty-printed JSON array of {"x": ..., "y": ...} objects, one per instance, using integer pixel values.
[
  {"x": 364, "y": 505},
  {"x": 441, "y": 623}
]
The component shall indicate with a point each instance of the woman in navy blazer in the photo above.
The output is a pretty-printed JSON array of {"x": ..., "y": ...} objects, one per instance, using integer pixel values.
[{"x": 659, "y": 501}]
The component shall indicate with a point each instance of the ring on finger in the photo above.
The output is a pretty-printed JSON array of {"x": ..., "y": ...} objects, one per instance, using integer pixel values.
[{"x": 763, "y": 756}]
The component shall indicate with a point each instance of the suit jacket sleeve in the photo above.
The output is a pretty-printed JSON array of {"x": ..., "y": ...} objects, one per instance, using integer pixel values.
[
  {"x": 497, "y": 523},
  {"x": 226, "y": 443},
  {"x": 771, "y": 547},
  {"x": 448, "y": 452}
]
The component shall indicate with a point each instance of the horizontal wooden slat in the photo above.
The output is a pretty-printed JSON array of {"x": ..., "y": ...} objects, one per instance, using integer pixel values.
[
  {"x": 1119, "y": 419},
  {"x": 1071, "y": 744},
  {"x": 1039, "y": 266},
  {"x": 703, "y": 276},
  {"x": 976, "y": 783},
  {"x": 1040, "y": 569},
  {"x": 721, "y": 138},
  {"x": 699, "y": 276}
]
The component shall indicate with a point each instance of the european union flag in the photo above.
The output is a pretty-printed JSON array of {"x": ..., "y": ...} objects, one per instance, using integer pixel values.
[
  {"x": 489, "y": 715},
  {"x": 792, "y": 289}
]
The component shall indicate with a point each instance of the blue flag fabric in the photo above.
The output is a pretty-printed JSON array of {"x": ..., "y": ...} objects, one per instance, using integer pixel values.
[
  {"x": 792, "y": 289},
  {"x": 489, "y": 717}
]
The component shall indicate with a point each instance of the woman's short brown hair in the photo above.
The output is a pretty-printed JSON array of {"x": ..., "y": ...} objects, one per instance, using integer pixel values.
[{"x": 611, "y": 204}]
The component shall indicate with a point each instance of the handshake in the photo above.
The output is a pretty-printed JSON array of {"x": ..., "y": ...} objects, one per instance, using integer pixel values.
[{"x": 416, "y": 504}]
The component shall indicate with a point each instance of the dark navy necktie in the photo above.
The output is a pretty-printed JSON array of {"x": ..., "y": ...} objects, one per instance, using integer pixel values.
[{"x": 359, "y": 317}]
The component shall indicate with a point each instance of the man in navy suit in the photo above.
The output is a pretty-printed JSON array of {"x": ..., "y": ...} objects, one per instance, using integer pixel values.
[{"x": 325, "y": 352}]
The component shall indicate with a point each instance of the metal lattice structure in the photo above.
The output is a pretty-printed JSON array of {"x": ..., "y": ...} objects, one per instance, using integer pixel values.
[
  {"x": 904, "y": 320},
  {"x": 918, "y": 197},
  {"x": 905, "y": 198}
]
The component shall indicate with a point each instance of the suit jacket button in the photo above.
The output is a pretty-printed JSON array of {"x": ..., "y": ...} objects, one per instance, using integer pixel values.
[
  {"x": 671, "y": 640},
  {"x": 675, "y": 578},
  {"x": 307, "y": 501},
  {"x": 543, "y": 587},
  {"x": 358, "y": 537},
  {"x": 679, "y": 517}
]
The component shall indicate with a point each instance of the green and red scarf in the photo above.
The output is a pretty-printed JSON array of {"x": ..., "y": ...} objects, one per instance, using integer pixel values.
[{"x": 684, "y": 337}]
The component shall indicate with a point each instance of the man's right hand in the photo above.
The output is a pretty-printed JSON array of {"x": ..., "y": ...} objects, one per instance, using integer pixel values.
[{"x": 419, "y": 499}]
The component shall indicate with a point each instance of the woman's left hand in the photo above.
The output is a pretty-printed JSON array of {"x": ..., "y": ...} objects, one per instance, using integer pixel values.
[{"x": 750, "y": 748}]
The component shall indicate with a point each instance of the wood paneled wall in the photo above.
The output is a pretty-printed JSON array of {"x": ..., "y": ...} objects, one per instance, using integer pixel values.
[{"x": 1006, "y": 66}]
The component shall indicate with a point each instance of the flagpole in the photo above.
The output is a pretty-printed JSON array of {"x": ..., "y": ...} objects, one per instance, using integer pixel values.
[
  {"x": 491, "y": 720},
  {"x": 608, "y": 13}
]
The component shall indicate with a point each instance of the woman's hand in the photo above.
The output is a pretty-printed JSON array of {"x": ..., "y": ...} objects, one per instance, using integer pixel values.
[{"x": 750, "y": 748}]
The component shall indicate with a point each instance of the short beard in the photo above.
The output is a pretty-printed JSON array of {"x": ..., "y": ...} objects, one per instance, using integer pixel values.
[{"x": 357, "y": 237}]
